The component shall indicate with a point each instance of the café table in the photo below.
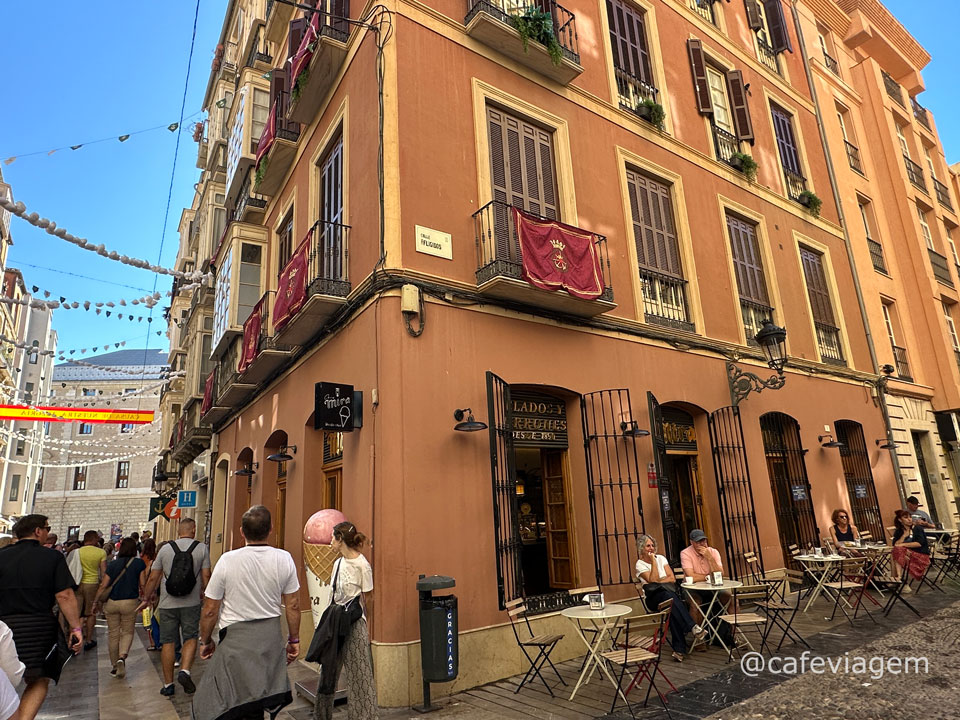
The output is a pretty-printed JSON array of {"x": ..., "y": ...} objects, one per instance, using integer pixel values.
[
  {"x": 711, "y": 626},
  {"x": 938, "y": 536},
  {"x": 819, "y": 568},
  {"x": 601, "y": 621}
]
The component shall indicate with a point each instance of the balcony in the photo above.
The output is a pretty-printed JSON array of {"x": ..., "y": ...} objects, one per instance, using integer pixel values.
[
  {"x": 632, "y": 92},
  {"x": 277, "y": 146},
  {"x": 725, "y": 144},
  {"x": 876, "y": 256},
  {"x": 853, "y": 157},
  {"x": 317, "y": 62},
  {"x": 941, "y": 271},
  {"x": 943, "y": 194},
  {"x": 192, "y": 435},
  {"x": 920, "y": 113},
  {"x": 258, "y": 56},
  {"x": 225, "y": 63},
  {"x": 893, "y": 89},
  {"x": 665, "y": 300},
  {"x": 500, "y": 266},
  {"x": 279, "y": 15},
  {"x": 704, "y": 8},
  {"x": 832, "y": 64},
  {"x": 915, "y": 174},
  {"x": 230, "y": 390},
  {"x": 828, "y": 342},
  {"x": 268, "y": 357},
  {"x": 767, "y": 55},
  {"x": 5, "y": 215},
  {"x": 754, "y": 315},
  {"x": 796, "y": 184},
  {"x": 492, "y": 23},
  {"x": 250, "y": 205},
  {"x": 903, "y": 367},
  {"x": 249, "y": 115},
  {"x": 326, "y": 284},
  {"x": 203, "y": 152}
]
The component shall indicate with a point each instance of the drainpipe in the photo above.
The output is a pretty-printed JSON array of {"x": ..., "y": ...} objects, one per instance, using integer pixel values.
[{"x": 881, "y": 383}]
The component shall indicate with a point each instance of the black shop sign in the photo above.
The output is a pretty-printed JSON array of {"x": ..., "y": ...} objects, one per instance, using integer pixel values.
[{"x": 336, "y": 407}]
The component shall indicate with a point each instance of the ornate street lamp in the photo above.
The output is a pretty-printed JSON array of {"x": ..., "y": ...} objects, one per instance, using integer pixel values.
[{"x": 773, "y": 342}]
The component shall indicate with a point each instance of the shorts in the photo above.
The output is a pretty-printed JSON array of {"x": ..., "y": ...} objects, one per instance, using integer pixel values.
[
  {"x": 86, "y": 596},
  {"x": 186, "y": 620}
]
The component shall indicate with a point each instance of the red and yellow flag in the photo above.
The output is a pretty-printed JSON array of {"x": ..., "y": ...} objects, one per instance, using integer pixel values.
[{"x": 67, "y": 414}]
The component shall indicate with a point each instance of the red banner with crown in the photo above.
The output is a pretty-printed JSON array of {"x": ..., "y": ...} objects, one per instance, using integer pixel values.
[
  {"x": 559, "y": 257},
  {"x": 208, "y": 393},
  {"x": 251, "y": 337},
  {"x": 268, "y": 135},
  {"x": 292, "y": 286}
]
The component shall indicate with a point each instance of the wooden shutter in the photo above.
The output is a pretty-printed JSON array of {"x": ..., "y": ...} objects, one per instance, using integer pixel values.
[
  {"x": 787, "y": 146},
  {"x": 817, "y": 290},
  {"x": 698, "y": 66},
  {"x": 330, "y": 249},
  {"x": 754, "y": 21},
  {"x": 278, "y": 90},
  {"x": 747, "y": 261},
  {"x": 628, "y": 38},
  {"x": 521, "y": 164},
  {"x": 738, "y": 106},
  {"x": 654, "y": 230},
  {"x": 297, "y": 28},
  {"x": 777, "y": 24}
]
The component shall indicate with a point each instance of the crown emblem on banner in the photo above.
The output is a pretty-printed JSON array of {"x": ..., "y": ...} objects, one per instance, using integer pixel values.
[
  {"x": 559, "y": 261},
  {"x": 558, "y": 244}
]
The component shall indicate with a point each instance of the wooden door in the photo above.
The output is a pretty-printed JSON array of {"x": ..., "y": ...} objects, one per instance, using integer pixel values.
[
  {"x": 279, "y": 518},
  {"x": 559, "y": 550},
  {"x": 331, "y": 488}
]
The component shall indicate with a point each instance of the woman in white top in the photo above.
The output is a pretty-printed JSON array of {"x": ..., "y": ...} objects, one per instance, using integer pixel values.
[
  {"x": 658, "y": 580},
  {"x": 351, "y": 578},
  {"x": 11, "y": 672}
]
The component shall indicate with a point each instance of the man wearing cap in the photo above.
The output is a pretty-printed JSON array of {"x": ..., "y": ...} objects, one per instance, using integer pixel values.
[
  {"x": 698, "y": 561},
  {"x": 920, "y": 517}
]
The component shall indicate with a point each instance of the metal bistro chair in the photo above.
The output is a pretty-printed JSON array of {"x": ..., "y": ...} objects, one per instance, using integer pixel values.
[
  {"x": 637, "y": 655},
  {"x": 948, "y": 565},
  {"x": 856, "y": 575},
  {"x": 745, "y": 599},
  {"x": 544, "y": 645},
  {"x": 781, "y": 612},
  {"x": 757, "y": 577}
]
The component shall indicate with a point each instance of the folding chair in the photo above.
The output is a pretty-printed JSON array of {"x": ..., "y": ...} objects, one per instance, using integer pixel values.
[
  {"x": 949, "y": 561},
  {"x": 745, "y": 599},
  {"x": 856, "y": 573},
  {"x": 756, "y": 577},
  {"x": 654, "y": 645},
  {"x": 635, "y": 654},
  {"x": 544, "y": 644},
  {"x": 781, "y": 612},
  {"x": 897, "y": 591}
]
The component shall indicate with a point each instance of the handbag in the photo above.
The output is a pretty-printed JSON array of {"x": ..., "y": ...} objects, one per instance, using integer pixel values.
[{"x": 104, "y": 594}]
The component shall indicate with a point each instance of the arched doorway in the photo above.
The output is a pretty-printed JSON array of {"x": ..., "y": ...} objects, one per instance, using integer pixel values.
[
  {"x": 796, "y": 521},
  {"x": 274, "y": 495},
  {"x": 859, "y": 478},
  {"x": 242, "y": 494}
]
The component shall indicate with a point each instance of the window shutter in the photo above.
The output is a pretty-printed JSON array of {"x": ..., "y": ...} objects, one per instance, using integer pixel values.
[
  {"x": 747, "y": 261},
  {"x": 754, "y": 21},
  {"x": 777, "y": 23},
  {"x": 738, "y": 106},
  {"x": 786, "y": 144},
  {"x": 817, "y": 290},
  {"x": 698, "y": 66},
  {"x": 297, "y": 28},
  {"x": 278, "y": 88},
  {"x": 628, "y": 38},
  {"x": 653, "y": 226}
]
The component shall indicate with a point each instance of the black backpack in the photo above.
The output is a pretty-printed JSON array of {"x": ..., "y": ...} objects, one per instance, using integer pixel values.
[{"x": 182, "y": 579}]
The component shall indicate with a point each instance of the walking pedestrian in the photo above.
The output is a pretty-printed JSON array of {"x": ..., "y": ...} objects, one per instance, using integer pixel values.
[
  {"x": 11, "y": 670},
  {"x": 248, "y": 675},
  {"x": 32, "y": 580},
  {"x": 184, "y": 567},
  {"x": 93, "y": 560},
  {"x": 148, "y": 554},
  {"x": 120, "y": 595},
  {"x": 351, "y": 577}
]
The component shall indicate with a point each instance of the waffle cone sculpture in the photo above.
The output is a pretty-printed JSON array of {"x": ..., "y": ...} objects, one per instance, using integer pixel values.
[{"x": 319, "y": 556}]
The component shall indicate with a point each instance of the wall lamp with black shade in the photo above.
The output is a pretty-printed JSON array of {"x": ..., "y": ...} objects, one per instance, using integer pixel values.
[
  {"x": 773, "y": 342},
  {"x": 466, "y": 422},
  {"x": 248, "y": 470},
  {"x": 283, "y": 455},
  {"x": 885, "y": 444},
  {"x": 631, "y": 429},
  {"x": 827, "y": 441}
]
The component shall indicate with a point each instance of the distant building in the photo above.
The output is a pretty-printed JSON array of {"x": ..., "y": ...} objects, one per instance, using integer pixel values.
[{"x": 83, "y": 488}]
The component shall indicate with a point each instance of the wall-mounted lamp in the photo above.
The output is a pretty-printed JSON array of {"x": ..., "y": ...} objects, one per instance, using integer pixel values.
[
  {"x": 885, "y": 444},
  {"x": 827, "y": 441},
  {"x": 630, "y": 429},
  {"x": 283, "y": 455},
  {"x": 470, "y": 424},
  {"x": 773, "y": 342},
  {"x": 248, "y": 470}
]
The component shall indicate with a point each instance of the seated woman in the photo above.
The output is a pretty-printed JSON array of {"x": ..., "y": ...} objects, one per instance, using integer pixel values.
[
  {"x": 911, "y": 551},
  {"x": 843, "y": 533},
  {"x": 658, "y": 580}
]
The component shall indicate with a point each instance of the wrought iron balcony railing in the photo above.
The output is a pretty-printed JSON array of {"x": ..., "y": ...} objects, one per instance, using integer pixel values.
[
  {"x": 328, "y": 259},
  {"x": 632, "y": 91},
  {"x": 754, "y": 314},
  {"x": 893, "y": 88},
  {"x": 941, "y": 271},
  {"x": 920, "y": 113},
  {"x": 767, "y": 55},
  {"x": 943, "y": 194},
  {"x": 915, "y": 174},
  {"x": 259, "y": 50},
  {"x": 665, "y": 300},
  {"x": 876, "y": 256},
  {"x": 828, "y": 341},
  {"x": 564, "y": 21},
  {"x": 725, "y": 143},
  {"x": 903, "y": 367},
  {"x": 832, "y": 64},
  {"x": 704, "y": 8},
  {"x": 853, "y": 156},
  {"x": 796, "y": 184}
]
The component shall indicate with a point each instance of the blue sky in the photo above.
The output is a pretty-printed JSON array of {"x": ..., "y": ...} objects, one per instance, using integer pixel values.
[{"x": 77, "y": 72}]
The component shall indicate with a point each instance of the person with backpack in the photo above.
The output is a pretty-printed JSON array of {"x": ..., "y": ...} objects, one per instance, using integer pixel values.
[{"x": 182, "y": 571}]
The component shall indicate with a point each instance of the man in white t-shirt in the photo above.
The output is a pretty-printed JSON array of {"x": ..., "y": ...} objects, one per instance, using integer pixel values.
[
  {"x": 11, "y": 672},
  {"x": 248, "y": 590}
]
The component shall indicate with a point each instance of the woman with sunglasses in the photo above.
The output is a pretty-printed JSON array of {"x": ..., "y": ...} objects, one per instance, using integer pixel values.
[{"x": 843, "y": 533}]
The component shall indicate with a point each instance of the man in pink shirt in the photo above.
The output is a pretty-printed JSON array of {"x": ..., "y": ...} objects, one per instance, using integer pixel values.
[{"x": 698, "y": 561}]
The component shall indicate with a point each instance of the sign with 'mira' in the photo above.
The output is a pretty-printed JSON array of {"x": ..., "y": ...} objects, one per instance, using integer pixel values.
[{"x": 67, "y": 414}]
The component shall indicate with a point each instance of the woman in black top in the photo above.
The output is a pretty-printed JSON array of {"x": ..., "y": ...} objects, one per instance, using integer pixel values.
[
  {"x": 123, "y": 581},
  {"x": 911, "y": 549},
  {"x": 844, "y": 533}
]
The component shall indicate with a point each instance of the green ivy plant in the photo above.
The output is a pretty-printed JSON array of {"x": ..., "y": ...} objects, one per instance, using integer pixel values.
[
  {"x": 298, "y": 85},
  {"x": 746, "y": 164},
  {"x": 653, "y": 112},
  {"x": 537, "y": 25},
  {"x": 261, "y": 171},
  {"x": 810, "y": 201}
]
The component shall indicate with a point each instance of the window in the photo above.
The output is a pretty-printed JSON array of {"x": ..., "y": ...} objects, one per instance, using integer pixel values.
[
  {"x": 948, "y": 233},
  {"x": 631, "y": 57},
  {"x": 20, "y": 447},
  {"x": 751, "y": 282},
  {"x": 658, "y": 252},
  {"x": 930, "y": 166},
  {"x": 14, "y": 488},
  {"x": 876, "y": 249},
  {"x": 951, "y": 328},
  {"x": 788, "y": 150},
  {"x": 261, "y": 109},
  {"x": 221, "y": 302},
  {"x": 718, "y": 95},
  {"x": 89, "y": 392},
  {"x": 126, "y": 428},
  {"x": 248, "y": 290},
  {"x": 721, "y": 94},
  {"x": 925, "y": 228},
  {"x": 904, "y": 148},
  {"x": 332, "y": 260},
  {"x": 80, "y": 478},
  {"x": 46, "y": 428},
  {"x": 899, "y": 353},
  {"x": 766, "y": 18},
  {"x": 35, "y": 352},
  {"x": 704, "y": 8},
  {"x": 40, "y": 480},
  {"x": 828, "y": 334},
  {"x": 285, "y": 241},
  {"x": 123, "y": 474},
  {"x": 28, "y": 393},
  {"x": 73, "y": 533},
  {"x": 86, "y": 429}
]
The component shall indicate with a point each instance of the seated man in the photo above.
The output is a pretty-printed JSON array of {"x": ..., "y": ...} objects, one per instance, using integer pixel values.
[
  {"x": 699, "y": 560},
  {"x": 920, "y": 517}
]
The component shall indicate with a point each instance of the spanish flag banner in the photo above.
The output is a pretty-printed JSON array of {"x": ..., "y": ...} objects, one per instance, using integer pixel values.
[{"x": 67, "y": 414}]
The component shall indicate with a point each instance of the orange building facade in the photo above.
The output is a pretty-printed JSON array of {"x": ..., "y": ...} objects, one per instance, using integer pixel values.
[{"x": 381, "y": 160}]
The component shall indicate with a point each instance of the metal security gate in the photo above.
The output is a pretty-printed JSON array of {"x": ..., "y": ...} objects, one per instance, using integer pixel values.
[
  {"x": 504, "y": 476},
  {"x": 613, "y": 483},
  {"x": 734, "y": 489},
  {"x": 860, "y": 487},
  {"x": 788, "y": 479}
]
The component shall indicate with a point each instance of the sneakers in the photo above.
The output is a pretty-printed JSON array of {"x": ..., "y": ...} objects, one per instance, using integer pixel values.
[
  {"x": 187, "y": 682},
  {"x": 113, "y": 673},
  {"x": 120, "y": 669},
  {"x": 699, "y": 632},
  {"x": 90, "y": 645},
  {"x": 168, "y": 690}
]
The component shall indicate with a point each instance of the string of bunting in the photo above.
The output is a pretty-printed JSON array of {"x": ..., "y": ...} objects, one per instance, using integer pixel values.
[
  {"x": 53, "y": 305},
  {"x": 71, "y": 451},
  {"x": 31, "y": 435},
  {"x": 117, "y": 458},
  {"x": 108, "y": 368},
  {"x": 150, "y": 300},
  {"x": 20, "y": 210}
]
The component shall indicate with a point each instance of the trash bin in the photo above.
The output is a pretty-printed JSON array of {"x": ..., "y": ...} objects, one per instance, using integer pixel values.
[{"x": 439, "y": 639}]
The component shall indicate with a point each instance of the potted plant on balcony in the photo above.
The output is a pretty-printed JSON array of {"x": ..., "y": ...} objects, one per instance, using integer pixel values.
[
  {"x": 652, "y": 112},
  {"x": 535, "y": 24},
  {"x": 811, "y": 202},
  {"x": 260, "y": 172},
  {"x": 299, "y": 84},
  {"x": 745, "y": 164}
]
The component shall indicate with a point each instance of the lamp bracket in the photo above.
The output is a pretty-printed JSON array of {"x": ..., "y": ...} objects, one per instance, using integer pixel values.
[{"x": 743, "y": 383}]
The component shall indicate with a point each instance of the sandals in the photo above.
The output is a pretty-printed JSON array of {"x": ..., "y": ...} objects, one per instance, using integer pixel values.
[{"x": 677, "y": 656}]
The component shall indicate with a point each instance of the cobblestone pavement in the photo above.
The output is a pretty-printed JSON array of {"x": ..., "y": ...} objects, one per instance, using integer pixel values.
[{"x": 77, "y": 696}]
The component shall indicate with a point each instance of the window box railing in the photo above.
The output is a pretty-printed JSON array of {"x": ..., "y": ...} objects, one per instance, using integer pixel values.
[
  {"x": 500, "y": 265},
  {"x": 768, "y": 55},
  {"x": 704, "y": 8},
  {"x": 831, "y": 63},
  {"x": 920, "y": 113},
  {"x": 941, "y": 271},
  {"x": 876, "y": 256},
  {"x": 259, "y": 51},
  {"x": 915, "y": 174},
  {"x": 632, "y": 92},
  {"x": 828, "y": 342},
  {"x": 796, "y": 184},
  {"x": 665, "y": 300},
  {"x": 754, "y": 315},
  {"x": 903, "y": 367},
  {"x": 893, "y": 88},
  {"x": 853, "y": 156},
  {"x": 943, "y": 194},
  {"x": 725, "y": 144},
  {"x": 248, "y": 202}
]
